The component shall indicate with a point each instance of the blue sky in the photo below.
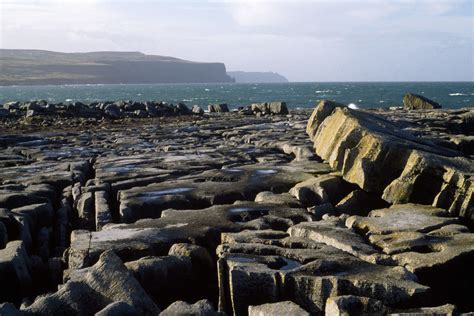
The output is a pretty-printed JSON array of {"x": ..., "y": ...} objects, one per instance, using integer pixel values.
[{"x": 305, "y": 40}]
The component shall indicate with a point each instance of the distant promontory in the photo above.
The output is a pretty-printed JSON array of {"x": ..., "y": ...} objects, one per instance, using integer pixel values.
[
  {"x": 39, "y": 67},
  {"x": 257, "y": 77}
]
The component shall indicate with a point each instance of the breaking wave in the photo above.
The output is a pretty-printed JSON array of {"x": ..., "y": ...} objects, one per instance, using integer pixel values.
[{"x": 353, "y": 106}]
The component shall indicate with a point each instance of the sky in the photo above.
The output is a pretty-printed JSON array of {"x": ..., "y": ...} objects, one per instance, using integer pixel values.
[{"x": 304, "y": 40}]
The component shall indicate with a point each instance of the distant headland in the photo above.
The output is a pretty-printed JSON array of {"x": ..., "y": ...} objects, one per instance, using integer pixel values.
[
  {"x": 40, "y": 67},
  {"x": 257, "y": 77}
]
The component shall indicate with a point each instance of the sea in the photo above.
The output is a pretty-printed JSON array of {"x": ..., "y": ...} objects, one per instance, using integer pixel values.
[{"x": 295, "y": 94}]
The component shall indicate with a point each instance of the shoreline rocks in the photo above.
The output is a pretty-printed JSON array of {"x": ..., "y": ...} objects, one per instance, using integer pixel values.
[
  {"x": 418, "y": 102},
  {"x": 235, "y": 214}
]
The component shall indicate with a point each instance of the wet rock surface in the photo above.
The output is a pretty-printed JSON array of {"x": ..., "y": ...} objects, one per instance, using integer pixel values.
[{"x": 224, "y": 213}]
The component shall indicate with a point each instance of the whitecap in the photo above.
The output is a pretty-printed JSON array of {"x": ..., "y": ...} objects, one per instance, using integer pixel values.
[
  {"x": 381, "y": 101},
  {"x": 206, "y": 89},
  {"x": 457, "y": 94},
  {"x": 353, "y": 106}
]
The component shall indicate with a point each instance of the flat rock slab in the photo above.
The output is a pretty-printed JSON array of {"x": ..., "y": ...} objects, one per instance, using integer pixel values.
[
  {"x": 280, "y": 308},
  {"x": 150, "y": 237},
  {"x": 205, "y": 189},
  {"x": 332, "y": 233},
  {"x": 437, "y": 249},
  {"x": 254, "y": 274},
  {"x": 401, "y": 218}
]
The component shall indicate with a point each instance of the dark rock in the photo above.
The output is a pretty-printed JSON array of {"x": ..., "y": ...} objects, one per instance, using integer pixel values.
[
  {"x": 3, "y": 236},
  {"x": 4, "y": 113},
  {"x": 140, "y": 113},
  {"x": 320, "y": 190},
  {"x": 9, "y": 309},
  {"x": 15, "y": 270},
  {"x": 112, "y": 111},
  {"x": 43, "y": 242},
  {"x": 183, "y": 109},
  {"x": 418, "y": 102},
  {"x": 359, "y": 202},
  {"x": 74, "y": 298},
  {"x": 165, "y": 278},
  {"x": 152, "y": 110},
  {"x": 11, "y": 105},
  {"x": 134, "y": 107}
]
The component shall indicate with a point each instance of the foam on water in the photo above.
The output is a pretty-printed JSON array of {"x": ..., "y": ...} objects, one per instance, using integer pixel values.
[{"x": 353, "y": 106}]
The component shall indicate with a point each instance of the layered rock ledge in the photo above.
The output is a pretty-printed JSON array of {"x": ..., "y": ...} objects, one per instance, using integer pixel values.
[{"x": 382, "y": 153}]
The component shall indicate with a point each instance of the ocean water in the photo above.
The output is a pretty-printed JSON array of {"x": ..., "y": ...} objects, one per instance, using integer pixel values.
[{"x": 304, "y": 95}]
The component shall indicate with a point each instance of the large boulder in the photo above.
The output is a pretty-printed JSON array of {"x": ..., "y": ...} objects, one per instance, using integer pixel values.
[
  {"x": 106, "y": 282},
  {"x": 221, "y": 107},
  {"x": 276, "y": 107},
  {"x": 380, "y": 157},
  {"x": 418, "y": 102},
  {"x": 197, "y": 110}
]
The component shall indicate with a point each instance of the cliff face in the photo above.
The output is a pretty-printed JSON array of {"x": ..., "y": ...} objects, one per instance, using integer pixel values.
[
  {"x": 36, "y": 67},
  {"x": 257, "y": 77}
]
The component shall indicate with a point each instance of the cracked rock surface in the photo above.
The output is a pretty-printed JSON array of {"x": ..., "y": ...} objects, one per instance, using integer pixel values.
[{"x": 233, "y": 214}]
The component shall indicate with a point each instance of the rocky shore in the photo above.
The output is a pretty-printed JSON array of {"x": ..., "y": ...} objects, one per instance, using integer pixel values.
[{"x": 127, "y": 208}]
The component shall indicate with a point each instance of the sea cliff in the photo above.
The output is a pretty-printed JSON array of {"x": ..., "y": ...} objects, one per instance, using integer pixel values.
[{"x": 37, "y": 67}]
